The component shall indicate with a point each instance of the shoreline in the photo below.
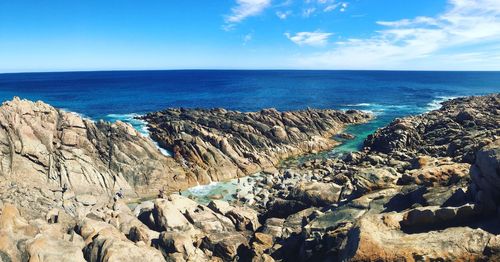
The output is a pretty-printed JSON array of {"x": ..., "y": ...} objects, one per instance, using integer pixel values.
[
  {"x": 405, "y": 181},
  {"x": 142, "y": 126}
]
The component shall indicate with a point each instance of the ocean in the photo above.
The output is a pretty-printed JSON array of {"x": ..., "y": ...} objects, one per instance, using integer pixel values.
[{"x": 121, "y": 95}]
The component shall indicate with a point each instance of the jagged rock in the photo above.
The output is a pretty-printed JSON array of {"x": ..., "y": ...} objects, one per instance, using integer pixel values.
[
  {"x": 274, "y": 227},
  {"x": 261, "y": 242},
  {"x": 316, "y": 193},
  {"x": 43, "y": 248},
  {"x": 106, "y": 243},
  {"x": 177, "y": 242},
  {"x": 208, "y": 221},
  {"x": 443, "y": 172},
  {"x": 412, "y": 202},
  {"x": 282, "y": 208},
  {"x": 48, "y": 147},
  {"x": 137, "y": 234},
  {"x": 373, "y": 240},
  {"x": 221, "y": 207},
  {"x": 168, "y": 217},
  {"x": 370, "y": 179},
  {"x": 457, "y": 130},
  {"x": 485, "y": 174},
  {"x": 224, "y": 245},
  {"x": 244, "y": 218},
  {"x": 14, "y": 231},
  {"x": 220, "y": 144},
  {"x": 86, "y": 199}
]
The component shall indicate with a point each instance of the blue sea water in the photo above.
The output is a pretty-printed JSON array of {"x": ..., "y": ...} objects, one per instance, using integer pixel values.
[{"x": 121, "y": 95}]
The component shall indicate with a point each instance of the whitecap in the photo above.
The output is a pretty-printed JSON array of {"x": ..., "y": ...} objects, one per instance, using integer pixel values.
[
  {"x": 140, "y": 125},
  {"x": 80, "y": 115},
  {"x": 435, "y": 104},
  {"x": 359, "y": 104}
]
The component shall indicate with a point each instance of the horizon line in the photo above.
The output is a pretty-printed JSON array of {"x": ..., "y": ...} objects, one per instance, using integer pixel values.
[{"x": 244, "y": 69}]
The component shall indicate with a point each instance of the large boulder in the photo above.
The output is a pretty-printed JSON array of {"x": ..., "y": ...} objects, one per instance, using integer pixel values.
[
  {"x": 168, "y": 217},
  {"x": 316, "y": 193},
  {"x": 43, "y": 248},
  {"x": 225, "y": 245},
  {"x": 375, "y": 238},
  {"x": 244, "y": 218},
  {"x": 106, "y": 243},
  {"x": 485, "y": 174}
]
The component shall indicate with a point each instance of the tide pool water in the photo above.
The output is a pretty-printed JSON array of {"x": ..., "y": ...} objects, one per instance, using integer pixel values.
[{"x": 122, "y": 95}]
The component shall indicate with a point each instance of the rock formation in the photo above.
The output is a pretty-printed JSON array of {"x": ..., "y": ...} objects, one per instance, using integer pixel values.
[
  {"x": 400, "y": 199},
  {"x": 219, "y": 144},
  {"x": 457, "y": 130},
  {"x": 48, "y": 147}
]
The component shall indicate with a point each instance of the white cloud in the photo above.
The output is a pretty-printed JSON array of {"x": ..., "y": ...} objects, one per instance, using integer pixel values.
[
  {"x": 244, "y": 9},
  {"x": 308, "y": 11},
  {"x": 331, "y": 7},
  {"x": 466, "y": 25},
  {"x": 283, "y": 15},
  {"x": 343, "y": 7},
  {"x": 309, "y": 38},
  {"x": 247, "y": 38}
]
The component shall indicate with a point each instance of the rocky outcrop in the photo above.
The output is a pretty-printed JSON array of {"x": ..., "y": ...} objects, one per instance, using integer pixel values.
[
  {"x": 457, "y": 130},
  {"x": 485, "y": 174},
  {"x": 401, "y": 199},
  {"x": 54, "y": 149},
  {"x": 219, "y": 144}
]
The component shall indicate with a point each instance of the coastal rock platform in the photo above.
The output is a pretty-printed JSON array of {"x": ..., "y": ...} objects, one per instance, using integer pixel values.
[{"x": 424, "y": 188}]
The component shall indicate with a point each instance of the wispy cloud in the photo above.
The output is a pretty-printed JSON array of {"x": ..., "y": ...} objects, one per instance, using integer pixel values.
[
  {"x": 283, "y": 15},
  {"x": 247, "y": 38},
  {"x": 331, "y": 7},
  {"x": 343, "y": 7},
  {"x": 243, "y": 10},
  {"x": 308, "y": 11},
  {"x": 309, "y": 38},
  {"x": 467, "y": 24}
]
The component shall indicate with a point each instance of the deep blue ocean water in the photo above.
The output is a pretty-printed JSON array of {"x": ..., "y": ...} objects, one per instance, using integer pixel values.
[{"x": 123, "y": 94}]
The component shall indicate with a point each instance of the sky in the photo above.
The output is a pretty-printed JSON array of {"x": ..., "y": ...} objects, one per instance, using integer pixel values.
[{"x": 80, "y": 35}]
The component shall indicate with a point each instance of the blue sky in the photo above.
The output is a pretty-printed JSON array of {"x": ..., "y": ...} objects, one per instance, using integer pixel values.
[{"x": 62, "y": 35}]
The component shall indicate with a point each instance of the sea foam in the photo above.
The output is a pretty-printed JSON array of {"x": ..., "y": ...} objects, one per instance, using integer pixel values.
[
  {"x": 435, "y": 104},
  {"x": 140, "y": 125}
]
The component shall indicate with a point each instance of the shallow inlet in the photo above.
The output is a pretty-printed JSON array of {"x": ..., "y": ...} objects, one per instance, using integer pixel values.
[{"x": 229, "y": 190}]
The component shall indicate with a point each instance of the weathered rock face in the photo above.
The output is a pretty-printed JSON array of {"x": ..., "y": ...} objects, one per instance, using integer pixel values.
[
  {"x": 21, "y": 239},
  {"x": 45, "y": 146},
  {"x": 219, "y": 144},
  {"x": 407, "y": 197},
  {"x": 485, "y": 174},
  {"x": 402, "y": 204},
  {"x": 457, "y": 130}
]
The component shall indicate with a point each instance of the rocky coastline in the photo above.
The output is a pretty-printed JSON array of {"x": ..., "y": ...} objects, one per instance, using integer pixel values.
[
  {"x": 424, "y": 188},
  {"x": 220, "y": 144}
]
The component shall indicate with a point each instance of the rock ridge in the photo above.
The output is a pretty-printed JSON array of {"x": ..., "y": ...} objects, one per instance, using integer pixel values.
[{"x": 217, "y": 144}]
